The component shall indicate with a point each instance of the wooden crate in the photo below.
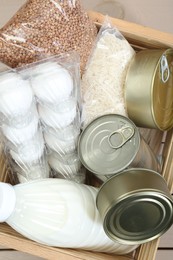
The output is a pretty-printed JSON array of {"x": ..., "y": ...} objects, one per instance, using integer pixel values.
[{"x": 139, "y": 37}]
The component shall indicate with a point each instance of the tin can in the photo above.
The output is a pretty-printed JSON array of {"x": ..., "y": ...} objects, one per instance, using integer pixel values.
[
  {"x": 111, "y": 143},
  {"x": 135, "y": 206},
  {"x": 149, "y": 89}
]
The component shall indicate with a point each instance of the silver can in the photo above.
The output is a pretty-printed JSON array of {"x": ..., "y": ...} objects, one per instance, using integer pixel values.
[{"x": 112, "y": 143}]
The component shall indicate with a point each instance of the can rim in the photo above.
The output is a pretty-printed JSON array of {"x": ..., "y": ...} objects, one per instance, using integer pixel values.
[
  {"x": 119, "y": 234},
  {"x": 128, "y": 170},
  {"x": 156, "y": 122}
]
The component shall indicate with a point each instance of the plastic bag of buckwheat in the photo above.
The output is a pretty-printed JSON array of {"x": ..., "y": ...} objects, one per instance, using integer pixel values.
[{"x": 42, "y": 28}]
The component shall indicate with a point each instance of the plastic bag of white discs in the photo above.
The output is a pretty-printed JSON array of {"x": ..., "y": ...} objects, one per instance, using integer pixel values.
[
  {"x": 28, "y": 160},
  {"x": 21, "y": 133},
  {"x": 103, "y": 80},
  {"x": 42, "y": 28},
  {"x": 55, "y": 84}
]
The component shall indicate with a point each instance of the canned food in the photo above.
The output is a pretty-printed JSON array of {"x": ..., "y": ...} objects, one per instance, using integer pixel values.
[
  {"x": 149, "y": 90},
  {"x": 135, "y": 206},
  {"x": 111, "y": 143}
]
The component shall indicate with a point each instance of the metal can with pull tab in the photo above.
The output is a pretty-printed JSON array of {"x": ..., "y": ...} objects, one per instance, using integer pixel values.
[
  {"x": 111, "y": 143},
  {"x": 149, "y": 89}
]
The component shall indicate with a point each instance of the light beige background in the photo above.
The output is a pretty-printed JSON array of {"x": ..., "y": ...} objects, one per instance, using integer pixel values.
[{"x": 157, "y": 14}]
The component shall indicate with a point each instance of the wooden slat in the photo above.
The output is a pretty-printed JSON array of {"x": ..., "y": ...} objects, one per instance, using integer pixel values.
[
  {"x": 141, "y": 36},
  {"x": 148, "y": 251},
  {"x": 153, "y": 137},
  {"x": 168, "y": 160}
]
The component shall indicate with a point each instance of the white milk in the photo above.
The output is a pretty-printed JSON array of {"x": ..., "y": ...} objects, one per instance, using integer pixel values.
[{"x": 57, "y": 212}]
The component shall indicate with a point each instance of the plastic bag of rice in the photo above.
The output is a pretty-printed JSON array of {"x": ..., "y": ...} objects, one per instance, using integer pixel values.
[
  {"x": 103, "y": 81},
  {"x": 42, "y": 28}
]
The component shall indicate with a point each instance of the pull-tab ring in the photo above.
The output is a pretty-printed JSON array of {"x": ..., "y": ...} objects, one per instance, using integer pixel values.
[
  {"x": 119, "y": 137},
  {"x": 165, "y": 73}
]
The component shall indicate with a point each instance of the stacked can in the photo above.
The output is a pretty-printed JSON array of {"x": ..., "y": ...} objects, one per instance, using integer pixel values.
[
  {"x": 55, "y": 84},
  {"x": 23, "y": 139},
  {"x": 133, "y": 190}
]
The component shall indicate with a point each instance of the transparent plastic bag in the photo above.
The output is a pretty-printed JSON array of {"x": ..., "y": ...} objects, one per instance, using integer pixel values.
[
  {"x": 56, "y": 85},
  {"x": 42, "y": 28},
  {"x": 29, "y": 151},
  {"x": 62, "y": 141},
  {"x": 21, "y": 131},
  {"x": 55, "y": 80},
  {"x": 27, "y": 158},
  {"x": 46, "y": 100},
  {"x": 23, "y": 172},
  {"x": 58, "y": 118},
  {"x": 18, "y": 135},
  {"x": 67, "y": 167},
  {"x": 3, "y": 67},
  {"x": 104, "y": 76},
  {"x": 16, "y": 99}
]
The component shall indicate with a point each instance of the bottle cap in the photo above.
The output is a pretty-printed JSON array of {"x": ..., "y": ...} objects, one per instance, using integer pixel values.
[{"x": 7, "y": 201}]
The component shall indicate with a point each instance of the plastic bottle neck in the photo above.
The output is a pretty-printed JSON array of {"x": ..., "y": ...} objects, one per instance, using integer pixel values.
[{"x": 7, "y": 201}]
